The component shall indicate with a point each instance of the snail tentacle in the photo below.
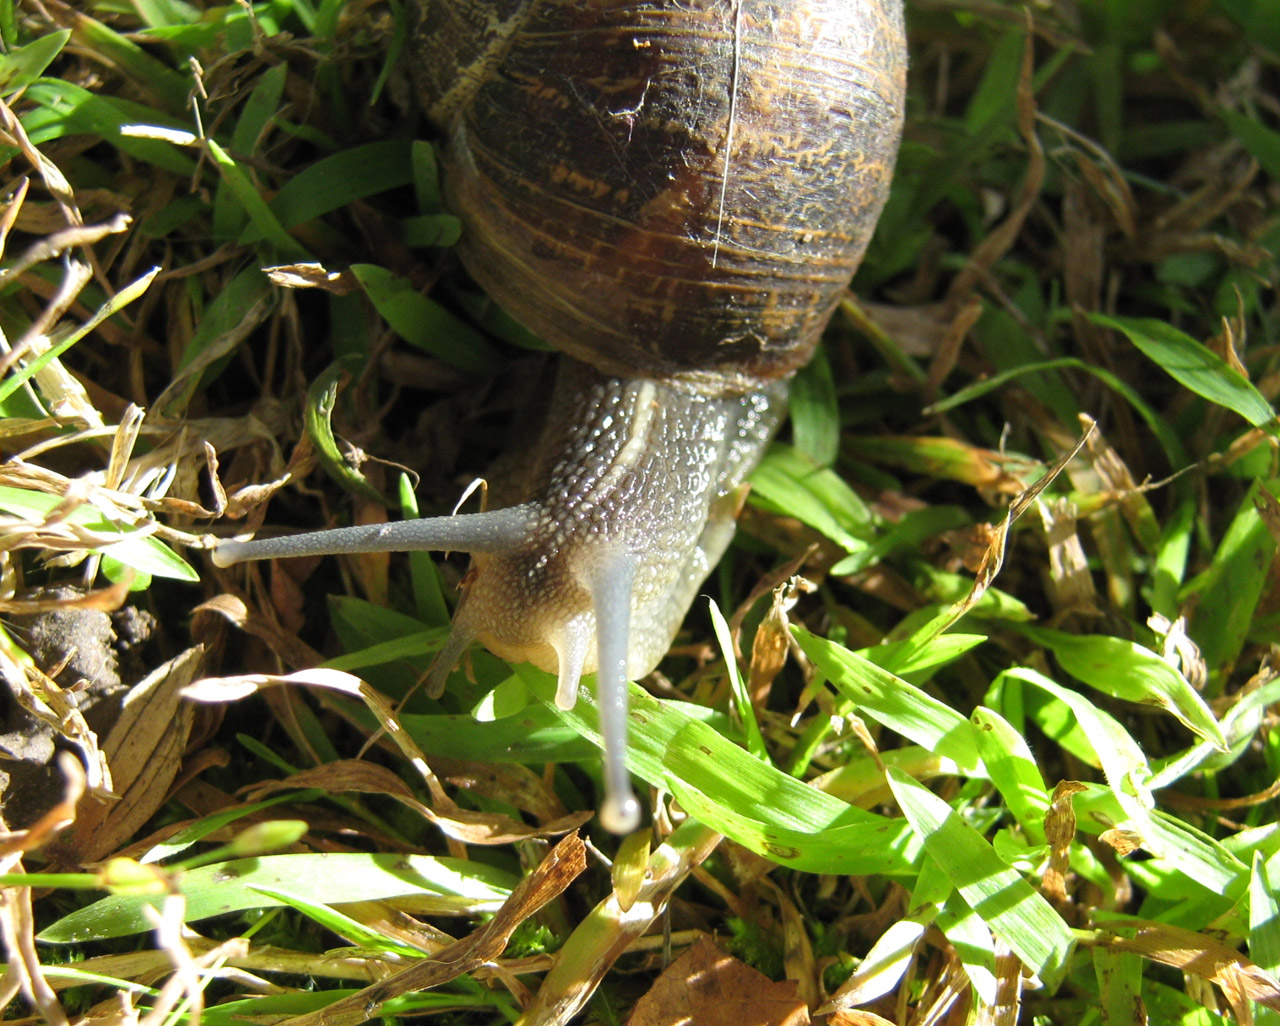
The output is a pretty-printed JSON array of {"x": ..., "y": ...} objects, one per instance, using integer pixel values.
[
  {"x": 494, "y": 531},
  {"x": 571, "y": 652},
  {"x": 611, "y": 595}
]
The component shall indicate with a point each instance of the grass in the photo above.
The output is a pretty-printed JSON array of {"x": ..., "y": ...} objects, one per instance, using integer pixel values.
[{"x": 1006, "y": 751}]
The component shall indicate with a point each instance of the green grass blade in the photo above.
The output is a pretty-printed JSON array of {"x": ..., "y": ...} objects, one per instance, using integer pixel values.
[
  {"x": 170, "y": 87},
  {"x": 753, "y": 802},
  {"x": 262, "y": 219},
  {"x": 1171, "y": 559},
  {"x": 889, "y": 958},
  {"x": 1195, "y": 854},
  {"x": 815, "y": 412},
  {"x": 1127, "y": 670},
  {"x": 150, "y": 556},
  {"x": 343, "y": 925},
  {"x": 777, "y": 816},
  {"x": 794, "y": 485},
  {"x": 263, "y": 104},
  {"x": 259, "y": 109},
  {"x": 442, "y": 886},
  {"x": 1262, "y": 142},
  {"x": 892, "y": 702},
  {"x": 424, "y": 323},
  {"x": 911, "y": 660},
  {"x": 113, "y": 306},
  {"x": 1013, "y": 770},
  {"x": 317, "y": 418},
  {"x": 66, "y": 109},
  {"x": 1164, "y": 432},
  {"x": 534, "y": 735},
  {"x": 338, "y": 180},
  {"x": 1257, "y": 19},
  {"x": 426, "y": 178},
  {"x": 1194, "y": 366},
  {"x": 1110, "y": 746},
  {"x": 741, "y": 697},
  {"x": 1240, "y": 727},
  {"x": 1119, "y": 976},
  {"x": 1128, "y": 777},
  {"x": 1015, "y": 912},
  {"x": 1264, "y": 913},
  {"x": 973, "y": 943},
  {"x": 424, "y": 576},
  {"x": 407, "y": 646},
  {"x": 1232, "y": 587},
  {"x": 431, "y": 230},
  {"x": 20, "y": 67},
  {"x": 242, "y": 304},
  {"x": 185, "y": 838},
  {"x": 142, "y": 552}
]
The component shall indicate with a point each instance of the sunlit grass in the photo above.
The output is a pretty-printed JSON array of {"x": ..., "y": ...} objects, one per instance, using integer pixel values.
[{"x": 1001, "y": 732}]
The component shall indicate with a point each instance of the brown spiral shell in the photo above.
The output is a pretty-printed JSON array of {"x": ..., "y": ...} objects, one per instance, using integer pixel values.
[{"x": 661, "y": 188}]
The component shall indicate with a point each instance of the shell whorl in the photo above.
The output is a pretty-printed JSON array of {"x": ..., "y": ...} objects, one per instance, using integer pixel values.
[{"x": 664, "y": 189}]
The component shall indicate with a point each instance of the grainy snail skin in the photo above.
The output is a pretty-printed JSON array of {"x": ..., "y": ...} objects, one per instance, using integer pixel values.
[{"x": 674, "y": 193}]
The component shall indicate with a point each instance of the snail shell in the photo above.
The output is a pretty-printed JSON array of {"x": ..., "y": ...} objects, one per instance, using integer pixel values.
[
  {"x": 667, "y": 189},
  {"x": 674, "y": 193}
]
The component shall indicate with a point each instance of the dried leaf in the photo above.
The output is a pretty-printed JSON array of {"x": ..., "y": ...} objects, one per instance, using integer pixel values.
[
  {"x": 606, "y": 931},
  {"x": 772, "y": 640},
  {"x": 24, "y": 973},
  {"x": 858, "y": 1018},
  {"x": 144, "y": 751},
  {"x": 559, "y": 869},
  {"x": 313, "y": 276},
  {"x": 993, "y": 560},
  {"x": 1060, "y": 831},
  {"x": 708, "y": 987},
  {"x": 460, "y": 824},
  {"x": 1200, "y": 955},
  {"x": 1004, "y": 1010},
  {"x": 1070, "y": 582}
]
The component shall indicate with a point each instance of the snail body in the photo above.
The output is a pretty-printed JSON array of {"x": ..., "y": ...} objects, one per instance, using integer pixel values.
[{"x": 675, "y": 195}]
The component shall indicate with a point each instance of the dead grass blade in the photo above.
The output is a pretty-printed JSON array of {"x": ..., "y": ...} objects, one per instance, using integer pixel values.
[
  {"x": 23, "y": 972},
  {"x": 1003, "y": 236},
  {"x": 461, "y": 824},
  {"x": 993, "y": 559},
  {"x": 143, "y": 751},
  {"x": 1060, "y": 831},
  {"x": 607, "y": 931},
  {"x": 456, "y": 823},
  {"x": 559, "y": 869},
  {"x": 1200, "y": 955}
]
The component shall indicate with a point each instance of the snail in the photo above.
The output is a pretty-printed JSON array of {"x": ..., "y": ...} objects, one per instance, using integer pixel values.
[{"x": 675, "y": 194}]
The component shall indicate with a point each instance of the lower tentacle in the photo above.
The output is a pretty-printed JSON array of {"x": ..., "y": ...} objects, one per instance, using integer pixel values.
[{"x": 611, "y": 595}]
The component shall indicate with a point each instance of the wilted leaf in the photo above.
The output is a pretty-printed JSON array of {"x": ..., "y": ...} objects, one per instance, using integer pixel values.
[
  {"x": 144, "y": 752},
  {"x": 708, "y": 987}
]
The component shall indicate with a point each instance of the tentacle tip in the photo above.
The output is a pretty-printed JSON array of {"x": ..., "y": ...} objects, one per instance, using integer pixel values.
[
  {"x": 566, "y": 694},
  {"x": 437, "y": 676},
  {"x": 446, "y": 659},
  {"x": 227, "y": 552},
  {"x": 620, "y": 813}
]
